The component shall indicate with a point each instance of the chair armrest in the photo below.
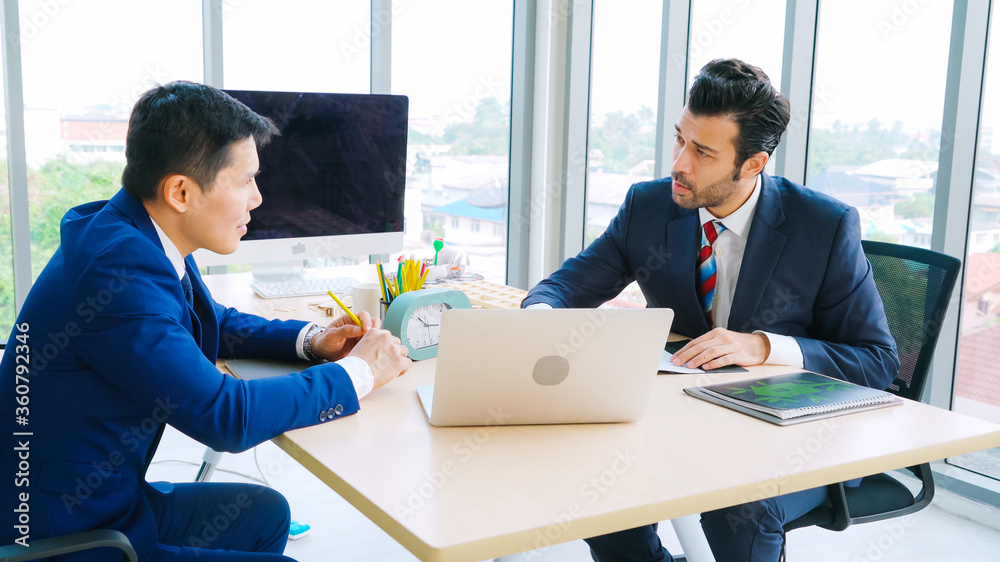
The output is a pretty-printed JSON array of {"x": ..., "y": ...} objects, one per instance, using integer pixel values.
[{"x": 66, "y": 544}]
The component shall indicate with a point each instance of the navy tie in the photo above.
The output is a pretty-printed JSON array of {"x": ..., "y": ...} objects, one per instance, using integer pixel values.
[{"x": 188, "y": 289}]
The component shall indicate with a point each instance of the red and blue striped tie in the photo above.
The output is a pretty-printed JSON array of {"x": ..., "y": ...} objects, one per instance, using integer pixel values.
[{"x": 706, "y": 266}]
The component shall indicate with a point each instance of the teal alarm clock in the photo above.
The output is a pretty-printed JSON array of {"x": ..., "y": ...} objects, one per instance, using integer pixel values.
[{"x": 415, "y": 318}]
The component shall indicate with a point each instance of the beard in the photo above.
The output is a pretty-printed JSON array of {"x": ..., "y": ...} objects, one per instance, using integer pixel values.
[{"x": 711, "y": 195}]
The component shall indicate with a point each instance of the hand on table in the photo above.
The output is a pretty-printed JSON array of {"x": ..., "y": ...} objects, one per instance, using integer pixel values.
[{"x": 721, "y": 347}]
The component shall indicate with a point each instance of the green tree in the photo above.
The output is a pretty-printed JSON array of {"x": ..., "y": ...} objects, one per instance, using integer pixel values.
[
  {"x": 6, "y": 258},
  {"x": 55, "y": 188},
  {"x": 416, "y": 137},
  {"x": 52, "y": 190},
  {"x": 625, "y": 140},
  {"x": 922, "y": 205},
  {"x": 487, "y": 134},
  {"x": 864, "y": 144}
]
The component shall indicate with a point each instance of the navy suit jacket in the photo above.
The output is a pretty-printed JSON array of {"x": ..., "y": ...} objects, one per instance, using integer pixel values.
[
  {"x": 115, "y": 352},
  {"x": 804, "y": 274}
]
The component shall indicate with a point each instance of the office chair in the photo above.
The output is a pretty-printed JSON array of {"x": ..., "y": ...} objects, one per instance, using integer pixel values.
[
  {"x": 916, "y": 285},
  {"x": 66, "y": 544}
]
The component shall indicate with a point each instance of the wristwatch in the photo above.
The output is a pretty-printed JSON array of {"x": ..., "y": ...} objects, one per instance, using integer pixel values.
[{"x": 307, "y": 342}]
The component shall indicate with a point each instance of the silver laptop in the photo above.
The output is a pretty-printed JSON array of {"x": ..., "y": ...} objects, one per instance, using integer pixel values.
[{"x": 511, "y": 367}]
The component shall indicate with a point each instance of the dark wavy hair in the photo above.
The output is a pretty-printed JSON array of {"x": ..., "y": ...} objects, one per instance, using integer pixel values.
[
  {"x": 743, "y": 93},
  {"x": 189, "y": 129}
]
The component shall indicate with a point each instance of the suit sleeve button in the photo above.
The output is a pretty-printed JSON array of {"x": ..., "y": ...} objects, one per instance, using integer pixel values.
[
  {"x": 338, "y": 410},
  {"x": 331, "y": 413},
  {"x": 322, "y": 416}
]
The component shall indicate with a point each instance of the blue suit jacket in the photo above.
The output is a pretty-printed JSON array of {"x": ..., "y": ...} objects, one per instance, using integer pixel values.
[
  {"x": 115, "y": 352},
  {"x": 804, "y": 275}
]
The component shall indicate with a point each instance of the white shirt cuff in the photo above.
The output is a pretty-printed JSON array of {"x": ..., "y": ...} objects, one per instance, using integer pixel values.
[
  {"x": 300, "y": 340},
  {"x": 357, "y": 368},
  {"x": 784, "y": 350},
  {"x": 360, "y": 373},
  {"x": 538, "y": 305}
]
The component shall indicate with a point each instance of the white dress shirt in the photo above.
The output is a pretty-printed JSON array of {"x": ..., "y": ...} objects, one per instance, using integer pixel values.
[
  {"x": 729, "y": 248},
  {"x": 356, "y": 367}
]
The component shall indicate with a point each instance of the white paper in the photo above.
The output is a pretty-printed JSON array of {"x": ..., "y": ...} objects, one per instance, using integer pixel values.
[{"x": 667, "y": 366}]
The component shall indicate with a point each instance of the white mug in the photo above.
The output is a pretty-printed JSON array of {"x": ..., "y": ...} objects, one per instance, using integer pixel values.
[{"x": 365, "y": 296}]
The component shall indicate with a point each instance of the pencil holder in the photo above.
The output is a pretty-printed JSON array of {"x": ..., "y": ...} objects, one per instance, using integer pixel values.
[{"x": 383, "y": 305}]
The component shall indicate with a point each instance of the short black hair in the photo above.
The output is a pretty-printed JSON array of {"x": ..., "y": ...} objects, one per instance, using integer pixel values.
[
  {"x": 189, "y": 129},
  {"x": 743, "y": 93}
]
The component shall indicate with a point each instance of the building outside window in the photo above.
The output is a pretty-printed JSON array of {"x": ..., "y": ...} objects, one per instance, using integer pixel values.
[
  {"x": 453, "y": 59},
  {"x": 976, "y": 390}
]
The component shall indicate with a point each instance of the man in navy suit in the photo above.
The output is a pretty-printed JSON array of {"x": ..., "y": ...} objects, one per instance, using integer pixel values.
[
  {"x": 756, "y": 268},
  {"x": 119, "y": 336}
]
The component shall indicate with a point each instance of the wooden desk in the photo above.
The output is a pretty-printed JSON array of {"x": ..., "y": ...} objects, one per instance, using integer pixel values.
[{"x": 476, "y": 493}]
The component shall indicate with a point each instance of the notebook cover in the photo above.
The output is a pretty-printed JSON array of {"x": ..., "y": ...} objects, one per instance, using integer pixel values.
[
  {"x": 698, "y": 393},
  {"x": 796, "y": 395}
]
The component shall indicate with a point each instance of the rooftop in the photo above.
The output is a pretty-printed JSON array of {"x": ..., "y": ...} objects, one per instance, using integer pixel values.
[
  {"x": 462, "y": 208},
  {"x": 976, "y": 377}
]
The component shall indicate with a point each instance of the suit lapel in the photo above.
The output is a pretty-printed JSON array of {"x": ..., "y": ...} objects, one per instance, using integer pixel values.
[
  {"x": 762, "y": 251},
  {"x": 683, "y": 241}
]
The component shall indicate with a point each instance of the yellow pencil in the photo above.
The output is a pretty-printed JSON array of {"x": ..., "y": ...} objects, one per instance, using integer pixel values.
[
  {"x": 381, "y": 282},
  {"x": 354, "y": 318}
]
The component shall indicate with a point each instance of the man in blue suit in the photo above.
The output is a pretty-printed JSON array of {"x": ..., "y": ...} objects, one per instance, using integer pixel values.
[
  {"x": 756, "y": 268},
  {"x": 119, "y": 336}
]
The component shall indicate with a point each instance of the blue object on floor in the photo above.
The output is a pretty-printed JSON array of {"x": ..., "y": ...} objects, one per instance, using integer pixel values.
[{"x": 298, "y": 530}]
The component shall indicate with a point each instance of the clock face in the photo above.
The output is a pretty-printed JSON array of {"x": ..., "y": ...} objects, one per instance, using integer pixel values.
[{"x": 423, "y": 329}]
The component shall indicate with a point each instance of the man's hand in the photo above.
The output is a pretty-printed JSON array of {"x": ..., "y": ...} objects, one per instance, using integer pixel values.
[
  {"x": 720, "y": 347},
  {"x": 385, "y": 355},
  {"x": 340, "y": 337}
]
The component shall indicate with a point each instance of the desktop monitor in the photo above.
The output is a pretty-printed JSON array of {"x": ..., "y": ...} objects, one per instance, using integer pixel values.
[{"x": 332, "y": 183}]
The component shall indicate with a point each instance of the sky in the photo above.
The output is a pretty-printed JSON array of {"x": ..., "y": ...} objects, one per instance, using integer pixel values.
[{"x": 890, "y": 64}]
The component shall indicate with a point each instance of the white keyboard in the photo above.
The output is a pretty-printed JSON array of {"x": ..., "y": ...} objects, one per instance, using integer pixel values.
[{"x": 303, "y": 287}]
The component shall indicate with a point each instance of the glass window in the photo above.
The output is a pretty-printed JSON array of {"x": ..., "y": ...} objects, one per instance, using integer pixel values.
[
  {"x": 303, "y": 46},
  {"x": 876, "y": 127},
  {"x": 750, "y": 31},
  {"x": 6, "y": 242},
  {"x": 84, "y": 66},
  {"x": 976, "y": 391},
  {"x": 625, "y": 71},
  {"x": 453, "y": 59}
]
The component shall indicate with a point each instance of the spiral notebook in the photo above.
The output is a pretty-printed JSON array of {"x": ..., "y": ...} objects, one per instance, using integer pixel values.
[{"x": 795, "y": 397}]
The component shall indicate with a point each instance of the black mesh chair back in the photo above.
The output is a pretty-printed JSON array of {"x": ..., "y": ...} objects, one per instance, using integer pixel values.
[{"x": 915, "y": 285}]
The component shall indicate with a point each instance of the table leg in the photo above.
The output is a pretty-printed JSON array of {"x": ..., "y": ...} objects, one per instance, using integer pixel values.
[
  {"x": 692, "y": 538},
  {"x": 210, "y": 459}
]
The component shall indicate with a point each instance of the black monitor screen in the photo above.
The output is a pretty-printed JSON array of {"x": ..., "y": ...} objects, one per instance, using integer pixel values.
[{"x": 338, "y": 167}]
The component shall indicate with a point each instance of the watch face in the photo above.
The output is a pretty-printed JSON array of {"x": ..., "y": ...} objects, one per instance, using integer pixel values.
[{"x": 423, "y": 329}]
